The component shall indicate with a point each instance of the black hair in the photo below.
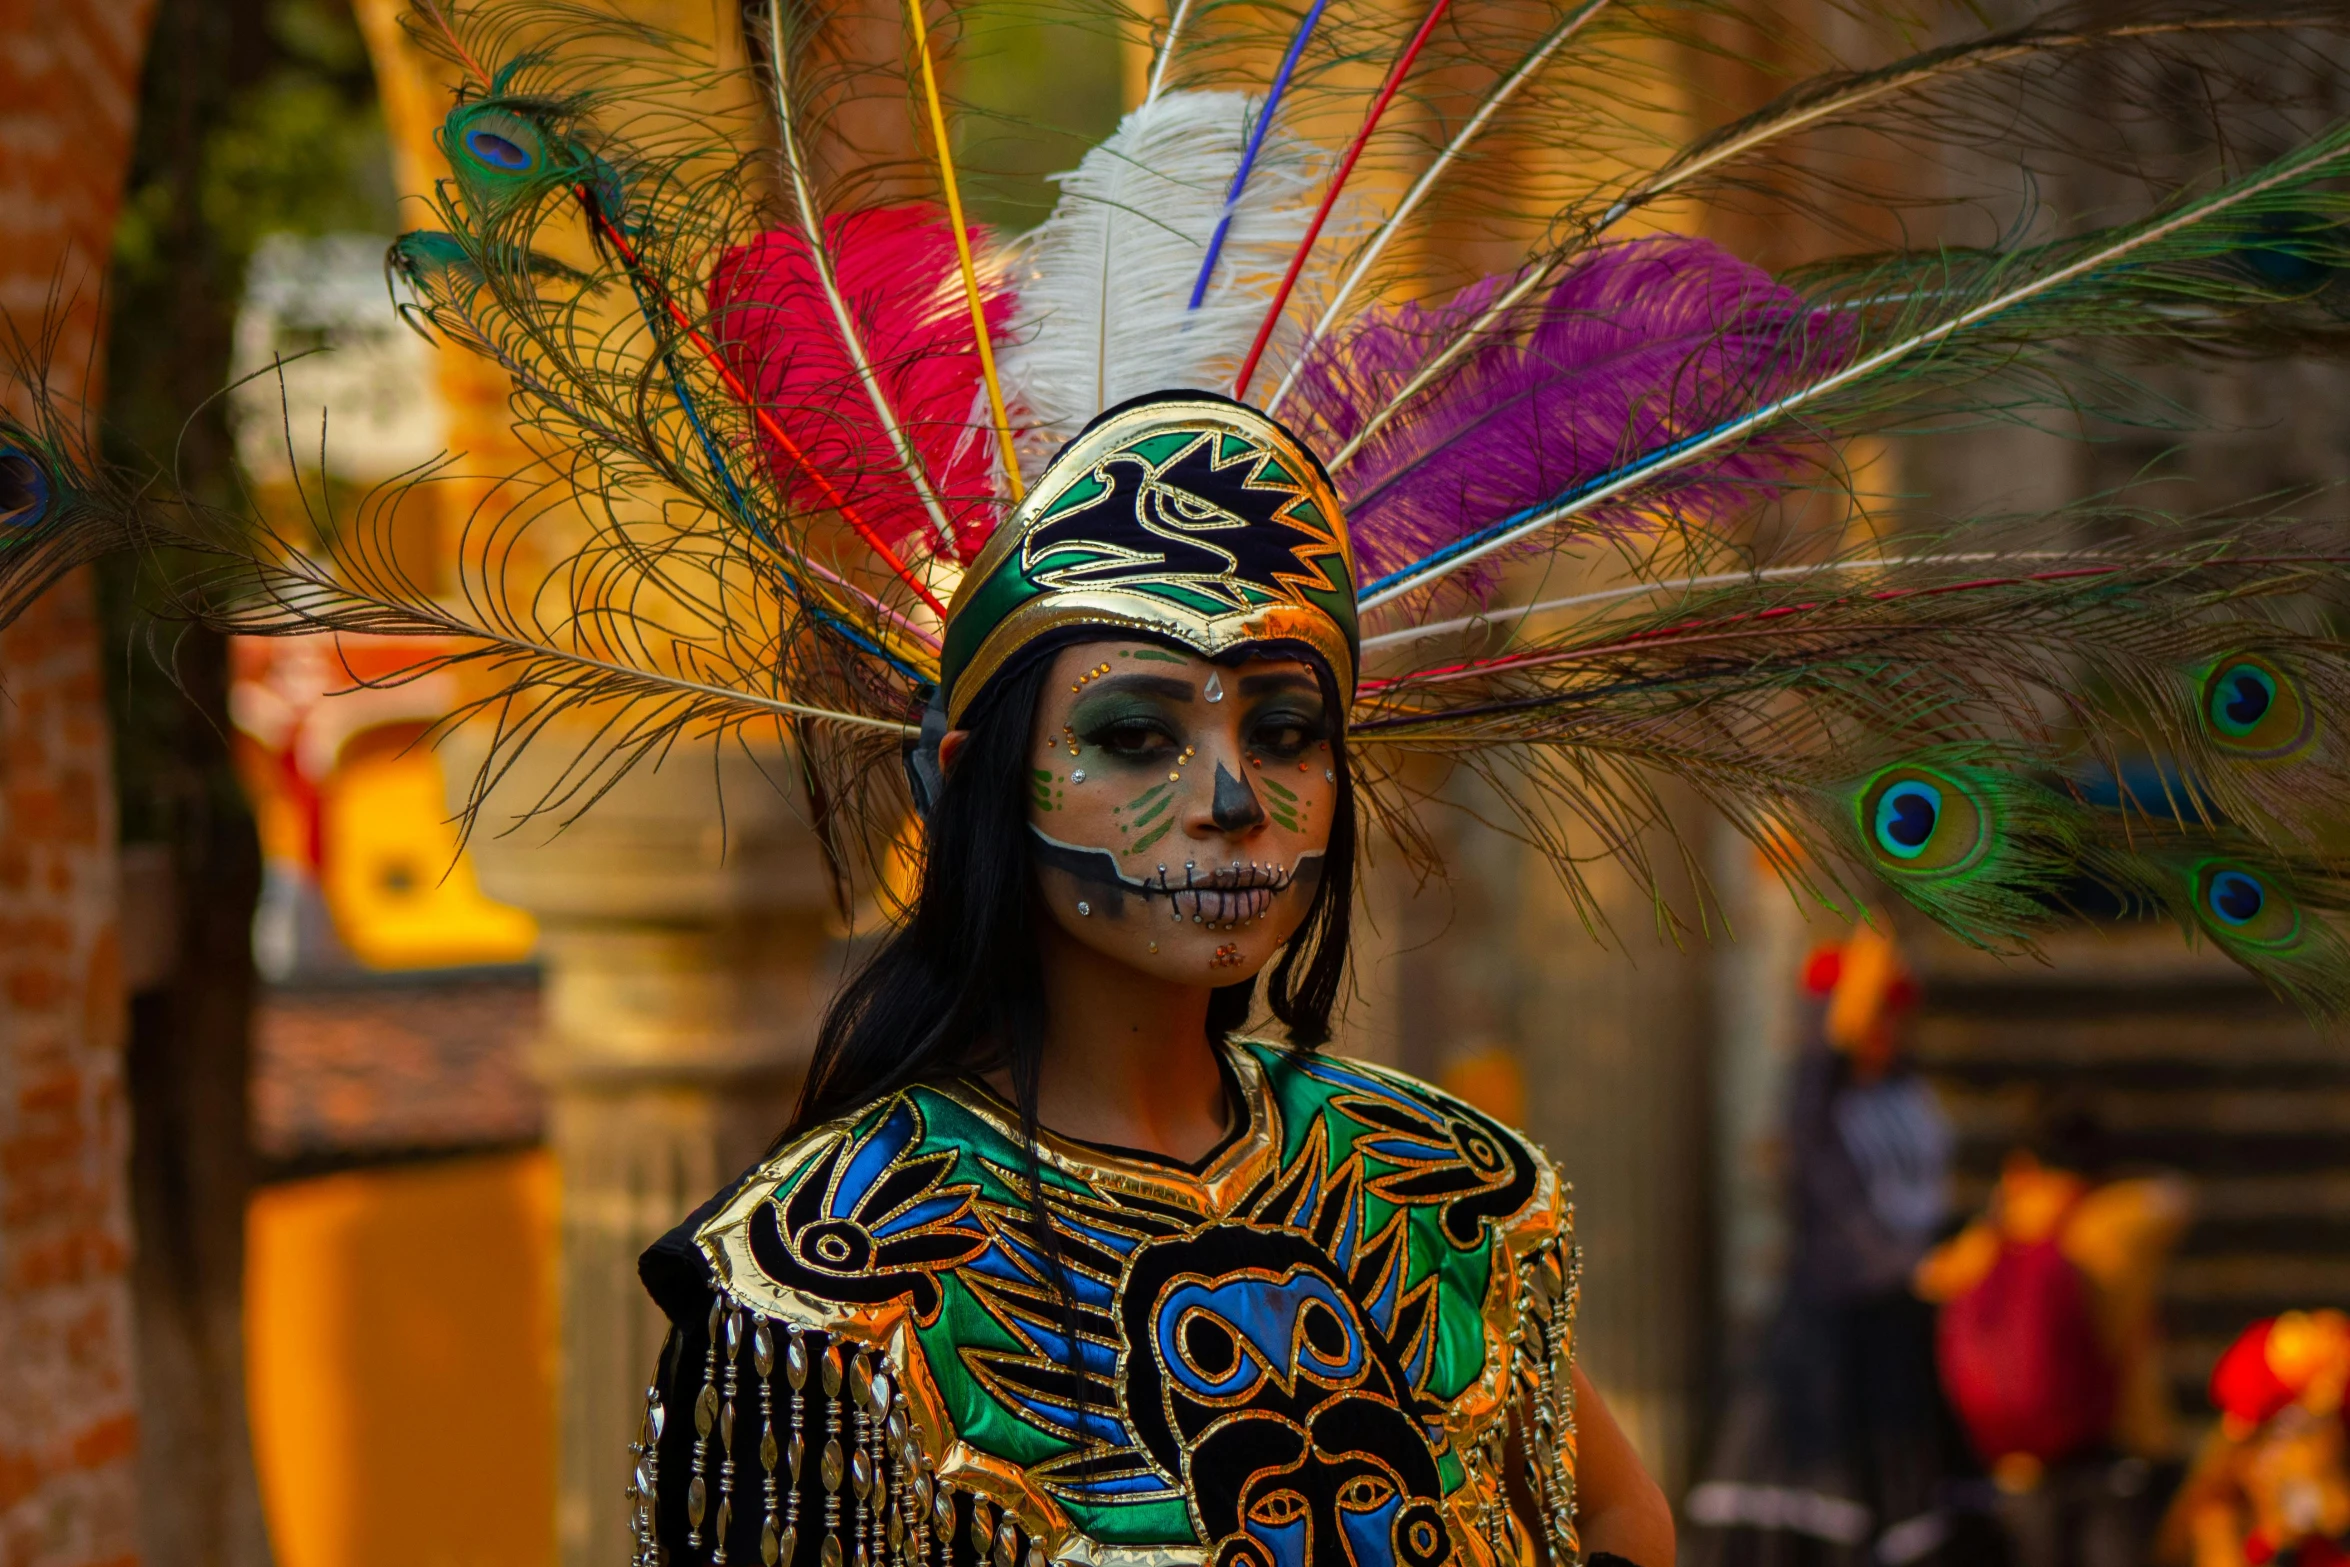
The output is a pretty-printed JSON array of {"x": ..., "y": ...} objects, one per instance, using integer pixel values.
[{"x": 958, "y": 988}]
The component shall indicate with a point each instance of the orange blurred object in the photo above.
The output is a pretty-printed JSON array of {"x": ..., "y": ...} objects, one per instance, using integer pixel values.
[
  {"x": 2273, "y": 1482},
  {"x": 2301, "y": 1357},
  {"x": 400, "y": 1343},
  {"x": 1492, "y": 1079}
]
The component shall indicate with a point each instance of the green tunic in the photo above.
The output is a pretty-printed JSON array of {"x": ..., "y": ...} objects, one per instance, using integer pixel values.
[{"x": 1309, "y": 1348}]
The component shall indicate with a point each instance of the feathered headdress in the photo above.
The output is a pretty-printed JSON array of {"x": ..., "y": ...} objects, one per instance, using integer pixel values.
[{"x": 1589, "y": 463}]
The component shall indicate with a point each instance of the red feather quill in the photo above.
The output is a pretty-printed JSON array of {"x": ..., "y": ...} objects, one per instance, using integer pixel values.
[{"x": 897, "y": 272}]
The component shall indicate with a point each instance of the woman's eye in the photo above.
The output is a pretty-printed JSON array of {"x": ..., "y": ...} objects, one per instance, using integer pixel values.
[
  {"x": 1134, "y": 737},
  {"x": 1285, "y": 735}
]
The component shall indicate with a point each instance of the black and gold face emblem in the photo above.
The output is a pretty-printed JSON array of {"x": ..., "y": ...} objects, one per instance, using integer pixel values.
[
  {"x": 1274, "y": 1396},
  {"x": 1202, "y": 518}
]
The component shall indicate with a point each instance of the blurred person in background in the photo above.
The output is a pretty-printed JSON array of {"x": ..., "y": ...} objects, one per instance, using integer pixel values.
[
  {"x": 2050, "y": 1343},
  {"x": 1841, "y": 1449},
  {"x": 2271, "y": 1484}
]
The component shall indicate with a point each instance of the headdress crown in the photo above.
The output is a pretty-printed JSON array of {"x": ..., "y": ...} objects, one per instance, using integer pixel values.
[{"x": 1179, "y": 514}]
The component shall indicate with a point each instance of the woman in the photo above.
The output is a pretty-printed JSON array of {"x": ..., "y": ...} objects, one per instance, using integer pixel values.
[
  {"x": 1053, "y": 1264},
  {"x": 1047, "y": 1242}
]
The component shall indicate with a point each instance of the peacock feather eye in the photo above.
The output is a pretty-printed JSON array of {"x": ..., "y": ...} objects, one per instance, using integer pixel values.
[
  {"x": 499, "y": 152},
  {"x": 1921, "y": 822},
  {"x": 2245, "y": 907},
  {"x": 2255, "y": 710},
  {"x": 24, "y": 491},
  {"x": 495, "y": 150}
]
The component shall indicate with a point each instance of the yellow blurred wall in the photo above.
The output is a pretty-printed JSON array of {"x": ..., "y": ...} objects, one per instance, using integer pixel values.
[
  {"x": 400, "y": 1333},
  {"x": 402, "y": 893}
]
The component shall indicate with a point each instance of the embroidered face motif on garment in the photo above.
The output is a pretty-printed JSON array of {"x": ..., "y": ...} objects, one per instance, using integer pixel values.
[
  {"x": 1180, "y": 810},
  {"x": 1310, "y": 1350},
  {"x": 1285, "y": 1409}
]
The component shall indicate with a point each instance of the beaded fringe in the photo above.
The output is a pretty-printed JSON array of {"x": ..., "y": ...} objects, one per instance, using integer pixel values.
[
  {"x": 1542, "y": 1410},
  {"x": 882, "y": 1503},
  {"x": 883, "y": 1506}
]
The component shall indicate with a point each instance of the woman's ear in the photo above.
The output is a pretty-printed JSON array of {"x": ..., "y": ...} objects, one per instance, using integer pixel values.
[{"x": 950, "y": 746}]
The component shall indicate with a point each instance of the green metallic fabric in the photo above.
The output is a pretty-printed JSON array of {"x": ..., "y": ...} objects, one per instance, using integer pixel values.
[{"x": 1308, "y": 1343}]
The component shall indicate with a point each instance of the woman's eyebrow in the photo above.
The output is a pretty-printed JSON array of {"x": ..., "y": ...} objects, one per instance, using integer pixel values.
[
  {"x": 1279, "y": 680},
  {"x": 1149, "y": 685}
]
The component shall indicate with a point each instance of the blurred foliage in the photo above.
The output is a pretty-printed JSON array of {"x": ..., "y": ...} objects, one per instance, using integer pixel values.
[
  {"x": 285, "y": 135},
  {"x": 1033, "y": 94},
  {"x": 256, "y": 116}
]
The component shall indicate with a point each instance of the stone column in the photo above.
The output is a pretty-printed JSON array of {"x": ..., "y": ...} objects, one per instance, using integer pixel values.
[
  {"x": 1616, "y": 1039},
  {"x": 68, "y": 1401},
  {"x": 684, "y": 926},
  {"x": 1758, "y": 1029},
  {"x": 1612, "y": 1039},
  {"x": 686, "y": 952}
]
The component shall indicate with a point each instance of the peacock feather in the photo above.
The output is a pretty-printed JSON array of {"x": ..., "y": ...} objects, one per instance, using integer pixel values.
[{"x": 1593, "y": 416}]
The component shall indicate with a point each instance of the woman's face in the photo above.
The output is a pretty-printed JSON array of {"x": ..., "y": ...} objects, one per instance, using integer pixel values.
[{"x": 1180, "y": 810}]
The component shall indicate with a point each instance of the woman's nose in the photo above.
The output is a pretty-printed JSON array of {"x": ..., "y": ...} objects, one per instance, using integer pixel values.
[{"x": 1235, "y": 806}]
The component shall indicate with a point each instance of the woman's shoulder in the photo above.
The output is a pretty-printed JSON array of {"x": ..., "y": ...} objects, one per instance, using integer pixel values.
[
  {"x": 833, "y": 1217},
  {"x": 1320, "y": 1077},
  {"x": 1416, "y": 1141}
]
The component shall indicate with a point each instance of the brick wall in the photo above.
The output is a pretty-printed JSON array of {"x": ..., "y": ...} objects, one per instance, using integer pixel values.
[{"x": 68, "y": 1428}]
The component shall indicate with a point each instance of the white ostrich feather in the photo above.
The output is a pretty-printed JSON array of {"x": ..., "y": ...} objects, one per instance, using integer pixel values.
[{"x": 1103, "y": 282}]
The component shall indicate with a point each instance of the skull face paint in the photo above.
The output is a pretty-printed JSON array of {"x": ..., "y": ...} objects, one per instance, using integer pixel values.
[{"x": 1193, "y": 830}]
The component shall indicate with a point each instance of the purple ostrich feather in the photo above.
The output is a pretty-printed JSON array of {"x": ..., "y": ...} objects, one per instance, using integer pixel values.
[{"x": 1635, "y": 346}]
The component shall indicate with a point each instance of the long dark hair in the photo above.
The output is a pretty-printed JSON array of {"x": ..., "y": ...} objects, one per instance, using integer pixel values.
[{"x": 959, "y": 987}]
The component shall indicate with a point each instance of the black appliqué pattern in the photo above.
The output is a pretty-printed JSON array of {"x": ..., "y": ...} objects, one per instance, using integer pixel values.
[
  {"x": 1270, "y": 1367},
  {"x": 1206, "y": 519},
  {"x": 1447, "y": 1154},
  {"x": 870, "y": 1221}
]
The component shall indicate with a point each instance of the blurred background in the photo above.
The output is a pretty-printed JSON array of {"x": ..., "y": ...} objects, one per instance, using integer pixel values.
[{"x": 326, "y": 1145}]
